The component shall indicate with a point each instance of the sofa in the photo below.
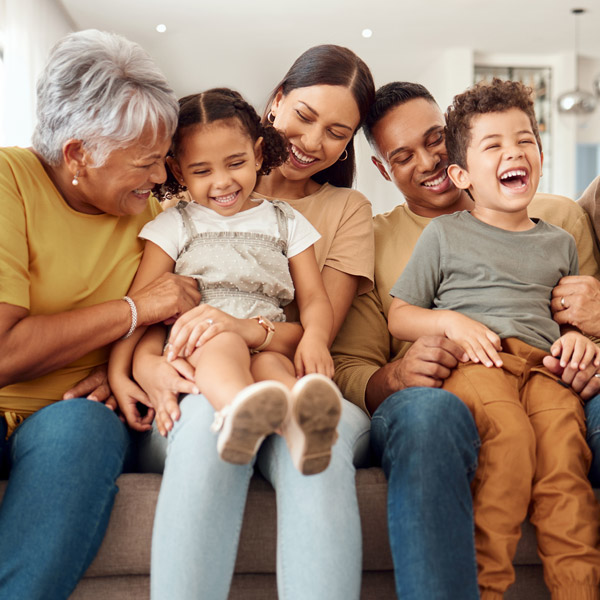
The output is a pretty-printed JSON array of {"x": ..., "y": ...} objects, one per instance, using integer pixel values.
[{"x": 121, "y": 568}]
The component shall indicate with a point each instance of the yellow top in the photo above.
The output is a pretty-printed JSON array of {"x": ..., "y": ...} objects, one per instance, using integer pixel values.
[
  {"x": 364, "y": 343},
  {"x": 54, "y": 259}
]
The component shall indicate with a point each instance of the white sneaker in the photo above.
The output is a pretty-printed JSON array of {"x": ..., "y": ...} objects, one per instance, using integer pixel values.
[
  {"x": 255, "y": 412},
  {"x": 311, "y": 428}
]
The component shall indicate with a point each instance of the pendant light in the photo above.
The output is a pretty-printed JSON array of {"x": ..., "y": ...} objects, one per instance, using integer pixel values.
[{"x": 578, "y": 101}]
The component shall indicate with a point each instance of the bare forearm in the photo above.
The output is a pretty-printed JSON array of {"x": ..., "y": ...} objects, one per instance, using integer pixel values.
[
  {"x": 286, "y": 339},
  {"x": 383, "y": 383},
  {"x": 408, "y": 323},
  {"x": 151, "y": 344},
  {"x": 317, "y": 320},
  {"x": 121, "y": 355},
  {"x": 36, "y": 345}
]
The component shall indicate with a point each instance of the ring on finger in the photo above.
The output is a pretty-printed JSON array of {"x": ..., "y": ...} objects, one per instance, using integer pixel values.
[
  {"x": 209, "y": 321},
  {"x": 562, "y": 301},
  {"x": 597, "y": 375}
]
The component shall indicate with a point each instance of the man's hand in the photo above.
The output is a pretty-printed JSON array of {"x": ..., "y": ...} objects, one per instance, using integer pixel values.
[
  {"x": 427, "y": 363},
  {"x": 576, "y": 301},
  {"x": 582, "y": 382}
]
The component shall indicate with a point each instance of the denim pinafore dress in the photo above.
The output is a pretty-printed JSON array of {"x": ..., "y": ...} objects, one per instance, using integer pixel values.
[{"x": 244, "y": 274}]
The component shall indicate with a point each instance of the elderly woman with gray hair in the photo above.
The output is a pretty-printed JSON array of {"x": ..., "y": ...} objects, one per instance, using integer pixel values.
[{"x": 71, "y": 208}]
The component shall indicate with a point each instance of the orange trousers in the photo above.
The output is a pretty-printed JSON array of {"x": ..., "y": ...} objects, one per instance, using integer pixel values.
[{"x": 533, "y": 457}]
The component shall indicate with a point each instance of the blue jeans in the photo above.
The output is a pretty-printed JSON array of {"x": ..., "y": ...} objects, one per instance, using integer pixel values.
[
  {"x": 428, "y": 444},
  {"x": 201, "y": 506},
  {"x": 63, "y": 461},
  {"x": 592, "y": 415}
]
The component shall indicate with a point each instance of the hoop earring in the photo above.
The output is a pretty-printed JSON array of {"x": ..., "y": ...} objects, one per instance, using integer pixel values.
[
  {"x": 344, "y": 154},
  {"x": 75, "y": 181},
  {"x": 271, "y": 118}
]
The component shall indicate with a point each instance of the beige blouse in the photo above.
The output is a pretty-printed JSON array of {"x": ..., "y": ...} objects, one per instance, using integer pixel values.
[{"x": 343, "y": 217}]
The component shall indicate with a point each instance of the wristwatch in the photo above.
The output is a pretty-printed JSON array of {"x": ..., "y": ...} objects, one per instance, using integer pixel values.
[{"x": 269, "y": 328}]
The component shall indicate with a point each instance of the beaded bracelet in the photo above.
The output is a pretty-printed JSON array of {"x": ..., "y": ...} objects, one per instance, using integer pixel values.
[{"x": 133, "y": 308}]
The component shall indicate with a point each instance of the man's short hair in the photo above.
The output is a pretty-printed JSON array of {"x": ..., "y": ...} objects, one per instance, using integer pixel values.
[
  {"x": 482, "y": 98},
  {"x": 389, "y": 96}
]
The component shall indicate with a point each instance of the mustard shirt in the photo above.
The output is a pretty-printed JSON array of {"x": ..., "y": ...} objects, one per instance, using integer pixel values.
[{"x": 54, "y": 259}]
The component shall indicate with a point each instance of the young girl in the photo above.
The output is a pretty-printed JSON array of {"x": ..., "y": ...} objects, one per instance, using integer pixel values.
[{"x": 250, "y": 258}]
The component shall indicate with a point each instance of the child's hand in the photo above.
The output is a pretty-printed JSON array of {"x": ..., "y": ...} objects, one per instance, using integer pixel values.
[
  {"x": 128, "y": 394},
  {"x": 576, "y": 348},
  {"x": 478, "y": 341},
  {"x": 163, "y": 382},
  {"x": 312, "y": 356}
]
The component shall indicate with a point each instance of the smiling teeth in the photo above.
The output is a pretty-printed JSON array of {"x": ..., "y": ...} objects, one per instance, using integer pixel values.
[
  {"x": 142, "y": 191},
  {"x": 517, "y": 173},
  {"x": 303, "y": 158},
  {"x": 225, "y": 199},
  {"x": 436, "y": 181}
]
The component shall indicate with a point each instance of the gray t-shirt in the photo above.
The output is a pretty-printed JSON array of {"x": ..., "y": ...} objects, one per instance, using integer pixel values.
[{"x": 503, "y": 279}]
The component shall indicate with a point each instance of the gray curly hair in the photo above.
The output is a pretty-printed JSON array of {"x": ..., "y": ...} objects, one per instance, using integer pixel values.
[{"x": 102, "y": 89}]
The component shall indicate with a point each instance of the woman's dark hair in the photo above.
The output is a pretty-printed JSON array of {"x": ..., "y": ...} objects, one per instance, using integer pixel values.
[
  {"x": 332, "y": 65},
  {"x": 219, "y": 104}
]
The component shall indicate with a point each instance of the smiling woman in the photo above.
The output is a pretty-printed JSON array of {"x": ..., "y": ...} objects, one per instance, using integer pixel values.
[{"x": 70, "y": 211}]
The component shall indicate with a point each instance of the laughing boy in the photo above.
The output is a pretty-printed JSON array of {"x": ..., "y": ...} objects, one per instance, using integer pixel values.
[{"x": 484, "y": 279}]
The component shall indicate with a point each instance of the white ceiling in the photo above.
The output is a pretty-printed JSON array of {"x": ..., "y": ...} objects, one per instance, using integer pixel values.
[{"x": 249, "y": 44}]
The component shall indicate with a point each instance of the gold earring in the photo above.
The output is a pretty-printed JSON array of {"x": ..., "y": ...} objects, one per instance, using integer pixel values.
[
  {"x": 75, "y": 181},
  {"x": 344, "y": 154}
]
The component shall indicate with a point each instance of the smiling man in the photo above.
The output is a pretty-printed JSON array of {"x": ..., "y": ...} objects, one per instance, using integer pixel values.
[{"x": 425, "y": 436}]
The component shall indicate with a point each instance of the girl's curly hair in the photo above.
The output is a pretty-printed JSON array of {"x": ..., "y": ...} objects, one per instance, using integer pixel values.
[{"x": 223, "y": 103}]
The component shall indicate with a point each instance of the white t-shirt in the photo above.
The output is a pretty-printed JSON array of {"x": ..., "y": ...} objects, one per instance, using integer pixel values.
[{"x": 168, "y": 232}]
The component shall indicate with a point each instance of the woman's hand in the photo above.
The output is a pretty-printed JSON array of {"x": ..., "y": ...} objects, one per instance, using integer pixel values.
[
  {"x": 94, "y": 387},
  {"x": 165, "y": 298},
  {"x": 478, "y": 341},
  {"x": 203, "y": 323}
]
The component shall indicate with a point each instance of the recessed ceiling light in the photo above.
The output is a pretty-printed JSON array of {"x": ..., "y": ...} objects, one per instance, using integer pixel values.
[
  {"x": 367, "y": 33},
  {"x": 161, "y": 28}
]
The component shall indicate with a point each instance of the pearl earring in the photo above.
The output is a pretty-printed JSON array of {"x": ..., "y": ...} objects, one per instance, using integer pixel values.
[{"x": 75, "y": 180}]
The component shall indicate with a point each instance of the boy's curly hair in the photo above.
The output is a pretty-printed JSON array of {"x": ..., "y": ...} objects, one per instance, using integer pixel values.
[
  {"x": 223, "y": 103},
  {"x": 482, "y": 98}
]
